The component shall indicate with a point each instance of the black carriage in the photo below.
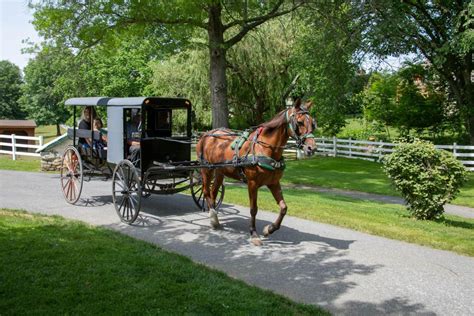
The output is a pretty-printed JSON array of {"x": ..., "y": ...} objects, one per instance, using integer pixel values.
[{"x": 148, "y": 151}]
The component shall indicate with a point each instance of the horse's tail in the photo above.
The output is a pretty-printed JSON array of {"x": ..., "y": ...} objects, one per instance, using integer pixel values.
[{"x": 200, "y": 148}]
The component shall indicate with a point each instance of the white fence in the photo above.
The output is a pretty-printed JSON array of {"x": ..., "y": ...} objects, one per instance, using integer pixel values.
[
  {"x": 20, "y": 145},
  {"x": 374, "y": 151}
]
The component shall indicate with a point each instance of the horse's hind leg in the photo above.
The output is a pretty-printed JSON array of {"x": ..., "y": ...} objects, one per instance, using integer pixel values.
[
  {"x": 278, "y": 195},
  {"x": 253, "y": 192},
  {"x": 207, "y": 176},
  {"x": 218, "y": 180}
]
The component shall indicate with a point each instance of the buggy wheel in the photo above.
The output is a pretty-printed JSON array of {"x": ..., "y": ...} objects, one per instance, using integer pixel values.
[
  {"x": 197, "y": 191},
  {"x": 126, "y": 191},
  {"x": 71, "y": 175}
]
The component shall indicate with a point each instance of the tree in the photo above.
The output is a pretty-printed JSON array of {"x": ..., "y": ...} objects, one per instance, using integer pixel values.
[
  {"x": 10, "y": 91},
  {"x": 326, "y": 57},
  {"x": 42, "y": 98},
  {"x": 439, "y": 31},
  {"x": 258, "y": 75},
  {"x": 86, "y": 23},
  {"x": 260, "y": 72},
  {"x": 407, "y": 99}
]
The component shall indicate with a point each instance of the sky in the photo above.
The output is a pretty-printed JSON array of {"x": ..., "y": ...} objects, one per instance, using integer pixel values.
[{"x": 15, "y": 26}]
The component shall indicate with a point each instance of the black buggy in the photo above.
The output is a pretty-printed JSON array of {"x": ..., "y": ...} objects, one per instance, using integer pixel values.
[{"x": 149, "y": 155}]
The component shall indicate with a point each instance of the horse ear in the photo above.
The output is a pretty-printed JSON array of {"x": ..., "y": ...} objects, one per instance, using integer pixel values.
[
  {"x": 308, "y": 104},
  {"x": 297, "y": 105}
]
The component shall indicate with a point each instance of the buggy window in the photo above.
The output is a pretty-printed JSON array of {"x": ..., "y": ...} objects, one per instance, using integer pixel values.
[{"x": 180, "y": 120}]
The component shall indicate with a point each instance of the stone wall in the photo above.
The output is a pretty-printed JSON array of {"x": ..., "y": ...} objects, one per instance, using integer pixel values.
[{"x": 50, "y": 161}]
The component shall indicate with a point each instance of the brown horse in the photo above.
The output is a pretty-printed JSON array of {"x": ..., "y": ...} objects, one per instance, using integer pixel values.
[{"x": 261, "y": 151}]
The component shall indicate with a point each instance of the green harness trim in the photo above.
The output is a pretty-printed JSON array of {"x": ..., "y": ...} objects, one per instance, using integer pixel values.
[
  {"x": 239, "y": 141},
  {"x": 269, "y": 163}
]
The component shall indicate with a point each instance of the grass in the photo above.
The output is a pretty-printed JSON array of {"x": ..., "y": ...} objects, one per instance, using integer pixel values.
[
  {"x": 340, "y": 173},
  {"x": 387, "y": 220},
  {"x": 48, "y": 132},
  {"x": 22, "y": 163},
  {"x": 355, "y": 174},
  {"x": 53, "y": 266}
]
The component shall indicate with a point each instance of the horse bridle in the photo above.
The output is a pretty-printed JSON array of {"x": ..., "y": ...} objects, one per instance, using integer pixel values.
[{"x": 292, "y": 128}]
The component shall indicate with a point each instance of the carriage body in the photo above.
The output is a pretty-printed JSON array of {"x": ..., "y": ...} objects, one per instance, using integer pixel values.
[{"x": 165, "y": 131}]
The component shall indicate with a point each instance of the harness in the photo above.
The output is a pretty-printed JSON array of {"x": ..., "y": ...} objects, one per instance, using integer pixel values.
[{"x": 251, "y": 158}]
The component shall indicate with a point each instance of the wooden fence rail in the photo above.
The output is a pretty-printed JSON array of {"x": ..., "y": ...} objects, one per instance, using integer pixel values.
[
  {"x": 9, "y": 145},
  {"x": 374, "y": 151}
]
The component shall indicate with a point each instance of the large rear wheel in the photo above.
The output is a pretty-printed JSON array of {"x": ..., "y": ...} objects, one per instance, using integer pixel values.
[
  {"x": 197, "y": 191},
  {"x": 126, "y": 191},
  {"x": 71, "y": 175}
]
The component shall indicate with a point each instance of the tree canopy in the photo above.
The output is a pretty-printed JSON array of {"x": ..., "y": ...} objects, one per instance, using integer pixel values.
[
  {"x": 10, "y": 91},
  {"x": 442, "y": 32},
  {"x": 87, "y": 23}
]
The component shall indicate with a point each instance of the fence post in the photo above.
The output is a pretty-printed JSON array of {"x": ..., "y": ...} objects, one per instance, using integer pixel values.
[
  {"x": 381, "y": 150},
  {"x": 454, "y": 149},
  {"x": 334, "y": 144},
  {"x": 350, "y": 146},
  {"x": 41, "y": 141},
  {"x": 13, "y": 147}
]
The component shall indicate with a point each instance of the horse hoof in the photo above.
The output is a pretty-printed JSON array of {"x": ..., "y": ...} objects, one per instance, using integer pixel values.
[
  {"x": 256, "y": 241},
  {"x": 214, "y": 220},
  {"x": 266, "y": 230}
]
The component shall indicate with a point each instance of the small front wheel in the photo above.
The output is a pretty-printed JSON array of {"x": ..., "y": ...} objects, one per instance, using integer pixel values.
[
  {"x": 126, "y": 191},
  {"x": 71, "y": 175}
]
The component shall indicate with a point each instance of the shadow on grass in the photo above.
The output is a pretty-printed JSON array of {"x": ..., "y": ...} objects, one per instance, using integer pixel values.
[{"x": 455, "y": 223}]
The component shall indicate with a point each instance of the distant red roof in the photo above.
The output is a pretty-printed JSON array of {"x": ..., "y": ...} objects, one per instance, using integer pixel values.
[{"x": 17, "y": 123}]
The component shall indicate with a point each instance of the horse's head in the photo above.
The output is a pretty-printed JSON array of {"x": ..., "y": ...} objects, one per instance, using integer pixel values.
[{"x": 301, "y": 126}]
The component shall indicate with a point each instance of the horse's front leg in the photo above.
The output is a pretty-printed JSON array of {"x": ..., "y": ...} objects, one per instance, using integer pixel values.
[
  {"x": 253, "y": 191},
  {"x": 278, "y": 195}
]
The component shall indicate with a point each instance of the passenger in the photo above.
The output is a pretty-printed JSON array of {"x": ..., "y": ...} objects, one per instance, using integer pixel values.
[
  {"x": 133, "y": 128},
  {"x": 85, "y": 123},
  {"x": 99, "y": 145}
]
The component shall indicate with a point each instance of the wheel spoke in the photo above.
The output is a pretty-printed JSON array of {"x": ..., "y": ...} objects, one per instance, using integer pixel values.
[
  {"x": 121, "y": 204},
  {"x": 132, "y": 205}
]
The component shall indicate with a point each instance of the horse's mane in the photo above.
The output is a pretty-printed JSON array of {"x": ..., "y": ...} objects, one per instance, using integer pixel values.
[
  {"x": 280, "y": 118},
  {"x": 275, "y": 122}
]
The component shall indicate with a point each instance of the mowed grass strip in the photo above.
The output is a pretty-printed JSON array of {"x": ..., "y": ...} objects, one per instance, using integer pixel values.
[
  {"x": 22, "y": 163},
  {"x": 48, "y": 132},
  {"x": 387, "y": 220},
  {"x": 52, "y": 266},
  {"x": 356, "y": 175}
]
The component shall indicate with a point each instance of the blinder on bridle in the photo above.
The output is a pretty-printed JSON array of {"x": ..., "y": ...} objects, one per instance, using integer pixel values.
[{"x": 293, "y": 127}]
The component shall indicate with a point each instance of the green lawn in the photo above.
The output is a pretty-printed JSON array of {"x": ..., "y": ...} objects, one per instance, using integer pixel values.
[
  {"x": 387, "y": 220},
  {"x": 354, "y": 174},
  {"x": 48, "y": 132},
  {"x": 22, "y": 163},
  {"x": 52, "y": 266}
]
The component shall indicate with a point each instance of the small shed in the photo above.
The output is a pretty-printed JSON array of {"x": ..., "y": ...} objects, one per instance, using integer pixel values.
[{"x": 19, "y": 128}]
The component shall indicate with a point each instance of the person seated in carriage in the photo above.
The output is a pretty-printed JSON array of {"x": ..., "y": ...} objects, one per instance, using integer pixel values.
[
  {"x": 88, "y": 114},
  {"x": 99, "y": 145},
  {"x": 133, "y": 138}
]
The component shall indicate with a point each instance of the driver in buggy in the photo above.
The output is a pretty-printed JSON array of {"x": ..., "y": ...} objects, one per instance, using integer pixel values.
[{"x": 133, "y": 137}]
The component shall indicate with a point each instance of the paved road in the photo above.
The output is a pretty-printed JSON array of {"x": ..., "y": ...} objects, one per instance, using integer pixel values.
[{"x": 344, "y": 271}]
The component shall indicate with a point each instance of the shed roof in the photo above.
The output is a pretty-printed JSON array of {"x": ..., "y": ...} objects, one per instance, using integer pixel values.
[{"x": 17, "y": 123}]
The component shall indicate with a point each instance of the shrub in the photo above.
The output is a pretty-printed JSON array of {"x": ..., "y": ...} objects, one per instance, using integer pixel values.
[{"x": 426, "y": 177}]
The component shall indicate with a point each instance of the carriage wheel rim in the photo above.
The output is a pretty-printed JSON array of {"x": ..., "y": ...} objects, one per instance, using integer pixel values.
[
  {"x": 126, "y": 192},
  {"x": 71, "y": 175}
]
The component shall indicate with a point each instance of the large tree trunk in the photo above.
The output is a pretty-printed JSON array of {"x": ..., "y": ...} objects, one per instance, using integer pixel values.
[{"x": 218, "y": 65}]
